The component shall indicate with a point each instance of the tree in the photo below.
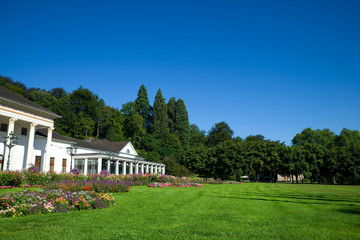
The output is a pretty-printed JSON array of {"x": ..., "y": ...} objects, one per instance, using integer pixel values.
[
  {"x": 142, "y": 106},
  {"x": 220, "y": 132},
  {"x": 161, "y": 119},
  {"x": 43, "y": 98},
  {"x": 182, "y": 122},
  {"x": 171, "y": 109},
  {"x": 86, "y": 102},
  {"x": 257, "y": 137},
  {"x": 197, "y": 136}
]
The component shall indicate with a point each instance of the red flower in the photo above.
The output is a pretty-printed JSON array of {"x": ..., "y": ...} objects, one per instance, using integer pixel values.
[
  {"x": 86, "y": 188},
  {"x": 147, "y": 174}
]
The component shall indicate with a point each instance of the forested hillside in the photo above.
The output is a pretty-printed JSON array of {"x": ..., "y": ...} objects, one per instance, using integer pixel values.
[{"x": 162, "y": 133}]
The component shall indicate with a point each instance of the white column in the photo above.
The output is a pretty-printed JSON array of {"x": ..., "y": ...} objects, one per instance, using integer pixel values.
[
  {"x": 108, "y": 165},
  {"x": 131, "y": 168},
  {"x": 99, "y": 165},
  {"x": 147, "y": 168},
  {"x": 142, "y": 168},
  {"x": 48, "y": 149},
  {"x": 124, "y": 168},
  {"x": 137, "y": 168},
  {"x": 151, "y": 169},
  {"x": 11, "y": 127},
  {"x": 30, "y": 149},
  {"x": 117, "y": 167},
  {"x": 163, "y": 170},
  {"x": 85, "y": 166}
]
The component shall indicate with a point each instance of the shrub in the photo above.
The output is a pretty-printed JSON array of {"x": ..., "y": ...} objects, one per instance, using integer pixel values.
[
  {"x": 75, "y": 171},
  {"x": 14, "y": 179}
]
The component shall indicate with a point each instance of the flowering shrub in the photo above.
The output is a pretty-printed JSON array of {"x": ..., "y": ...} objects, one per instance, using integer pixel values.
[
  {"x": 15, "y": 179},
  {"x": 104, "y": 173},
  {"x": 42, "y": 202},
  {"x": 93, "y": 185},
  {"x": 75, "y": 171}
]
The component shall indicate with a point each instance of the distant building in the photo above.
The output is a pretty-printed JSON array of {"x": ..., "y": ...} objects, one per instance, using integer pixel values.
[{"x": 39, "y": 145}]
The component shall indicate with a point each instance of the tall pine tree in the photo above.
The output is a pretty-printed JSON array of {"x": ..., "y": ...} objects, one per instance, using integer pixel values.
[
  {"x": 182, "y": 122},
  {"x": 142, "y": 106},
  {"x": 171, "y": 109},
  {"x": 160, "y": 116}
]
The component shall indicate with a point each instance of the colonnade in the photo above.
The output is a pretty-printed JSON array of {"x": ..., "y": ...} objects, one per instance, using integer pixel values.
[{"x": 128, "y": 166}]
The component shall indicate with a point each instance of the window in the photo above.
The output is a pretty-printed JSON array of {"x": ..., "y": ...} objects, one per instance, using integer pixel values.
[
  {"x": 52, "y": 164},
  {"x": 64, "y": 165},
  {"x": 79, "y": 164},
  {"x": 92, "y": 166},
  {"x": 4, "y": 127},
  {"x": 127, "y": 151},
  {"x": 24, "y": 131},
  {"x": 38, "y": 162}
]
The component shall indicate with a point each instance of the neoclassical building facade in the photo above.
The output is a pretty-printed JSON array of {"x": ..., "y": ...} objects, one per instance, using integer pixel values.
[{"x": 39, "y": 145}]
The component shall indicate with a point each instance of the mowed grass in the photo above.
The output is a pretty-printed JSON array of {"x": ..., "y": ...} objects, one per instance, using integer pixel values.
[{"x": 247, "y": 211}]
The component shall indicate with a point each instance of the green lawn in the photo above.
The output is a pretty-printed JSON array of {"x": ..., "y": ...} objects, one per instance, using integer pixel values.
[{"x": 247, "y": 211}]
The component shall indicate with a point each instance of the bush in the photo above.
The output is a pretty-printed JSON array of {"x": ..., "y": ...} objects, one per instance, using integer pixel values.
[{"x": 14, "y": 179}]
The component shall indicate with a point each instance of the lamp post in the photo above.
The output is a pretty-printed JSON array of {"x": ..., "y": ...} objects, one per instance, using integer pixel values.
[
  {"x": 71, "y": 151},
  {"x": 10, "y": 141}
]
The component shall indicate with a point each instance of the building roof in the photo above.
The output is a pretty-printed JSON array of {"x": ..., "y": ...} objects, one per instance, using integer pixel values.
[
  {"x": 14, "y": 100},
  {"x": 101, "y": 145}
]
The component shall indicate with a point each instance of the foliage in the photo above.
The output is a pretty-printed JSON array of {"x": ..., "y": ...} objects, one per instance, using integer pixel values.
[
  {"x": 8, "y": 178},
  {"x": 160, "y": 116},
  {"x": 220, "y": 132}
]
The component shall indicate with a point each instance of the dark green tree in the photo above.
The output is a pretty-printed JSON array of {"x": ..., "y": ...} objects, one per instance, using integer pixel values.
[
  {"x": 171, "y": 109},
  {"x": 160, "y": 117},
  {"x": 220, "y": 132},
  {"x": 142, "y": 106},
  {"x": 182, "y": 122},
  {"x": 197, "y": 136}
]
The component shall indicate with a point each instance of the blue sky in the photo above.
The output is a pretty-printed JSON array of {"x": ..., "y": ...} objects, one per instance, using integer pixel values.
[{"x": 264, "y": 67}]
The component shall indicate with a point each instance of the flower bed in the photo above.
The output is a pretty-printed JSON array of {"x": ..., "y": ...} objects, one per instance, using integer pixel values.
[
  {"x": 34, "y": 177},
  {"x": 93, "y": 185},
  {"x": 42, "y": 202},
  {"x": 157, "y": 184}
]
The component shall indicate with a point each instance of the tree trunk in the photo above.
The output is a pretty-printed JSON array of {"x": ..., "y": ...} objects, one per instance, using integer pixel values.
[{"x": 334, "y": 180}]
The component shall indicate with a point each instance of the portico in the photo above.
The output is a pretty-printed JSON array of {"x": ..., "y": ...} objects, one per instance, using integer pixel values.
[{"x": 22, "y": 118}]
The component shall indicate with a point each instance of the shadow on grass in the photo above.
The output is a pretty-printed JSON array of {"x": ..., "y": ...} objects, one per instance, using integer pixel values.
[
  {"x": 351, "y": 211},
  {"x": 296, "y": 198}
]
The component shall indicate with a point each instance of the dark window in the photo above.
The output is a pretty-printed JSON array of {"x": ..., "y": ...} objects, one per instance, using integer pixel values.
[
  {"x": 24, "y": 131},
  {"x": 38, "y": 162},
  {"x": 4, "y": 127},
  {"x": 64, "y": 165},
  {"x": 52, "y": 164}
]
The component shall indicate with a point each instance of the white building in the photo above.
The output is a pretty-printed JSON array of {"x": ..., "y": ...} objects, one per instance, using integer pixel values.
[{"x": 41, "y": 146}]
